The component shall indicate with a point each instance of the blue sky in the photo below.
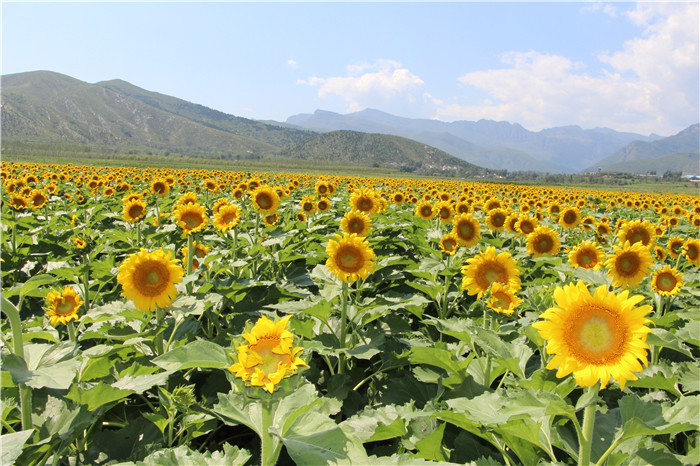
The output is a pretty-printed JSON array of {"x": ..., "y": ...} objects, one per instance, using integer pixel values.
[{"x": 628, "y": 66}]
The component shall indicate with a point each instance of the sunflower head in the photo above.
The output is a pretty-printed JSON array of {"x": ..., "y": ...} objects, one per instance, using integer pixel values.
[
  {"x": 543, "y": 240},
  {"x": 134, "y": 210},
  {"x": 637, "y": 231},
  {"x": 496, "y": 219},
  {"x": 487, "y": 268},
  {"x": 425, "y": 209},
  {"x": 691, "y": 248},
  {"x": 467, "y": 229},
  {"x": 587, "y": 255},
  {"x": 596, "y": 335},
  {"x": 160, "y": 187},
  {"x": 350, "y": 257},
  {"x": 365, "y": 200},
  {"x": 192, "y": 218},
  {"x": 667, "y": 281},
  {"x": 269, "y": 354},
  {"x": 149, "y": 278},
  {"x": 265, "y": 199},
  {"x": 449, "y": 243},
  {"x": 38, "y": 199},
  {"x": 227, "y": 217},
  {"x": 629, "y": 264},
  {"x": 444, "y": 211},
  {"x": 526, "y": 224},
  {"x": 569, "y": 217},
  {"x": 675, "y": 247},
  {"x": 502, "y": 299},
  {"x": 356, "y": 222},
  {"x": 63, "y": 306}
]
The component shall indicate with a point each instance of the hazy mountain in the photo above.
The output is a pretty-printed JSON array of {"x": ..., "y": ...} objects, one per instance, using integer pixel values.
[
  {"x": 48, "y": 107},
  {"x": 358, "y": 148},
  {"x": 677, "y": 150},
  {"x": 494, "y": 144}
]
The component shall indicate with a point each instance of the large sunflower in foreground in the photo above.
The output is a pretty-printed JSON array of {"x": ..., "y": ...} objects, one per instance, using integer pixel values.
[
  {"x": 543, "y": 240},
  {"x": 596, "y": 335},
  {"x": 487, "y": 268},
  {"x": 350, "y": 257},
  {"x": 356, "y": 222},
  {"x": 629, "y": 264},
  {"x": 149, "y": 278},
  {"x": 63, "y": 306},
  {"x": 467, "y": 229},
  {"x": 269, "y": 355},
  {"x": 587, "y": 255},
  {"x": 667, "y": 281}
]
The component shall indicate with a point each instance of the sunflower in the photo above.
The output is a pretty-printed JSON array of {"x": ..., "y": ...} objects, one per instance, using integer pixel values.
[
  {"x": 200, "y": 252},
  {"x": 667, "y": 281},
  {"x": 160, "y": 187},
  {"x": 227, "y": 217},
  {"x": 543, "y": 240},
  {"x": 63, "y": 306},
  {"x": 271, "y": 219},
  {"x": 587, "y": 255},
  {"x": 569, "y": 217},
  {"x": 265, "y": 200},
  {"x": 219, "y": 204},
  {"x": 79, "y": 243},
  {"x": 496, "y": 219},
  {"x": 269, "y": 355},
  {"x": 502, "y": 299},
  {"x": 637, "y": 231},
  {"x": 38, "y": 199},
  {"x": 301, "y": 216},
  {"x": 323, "y": 204},
  {"x": 488, "y": 267},
  {"x": 629, "y": 264},
  {"x": 425, "y": 209},
  {"x": 526, "y": 224},
  {"x": 350, "y": 257},
  {"x": 356, "y": 222},
  {"x": 511, "y": 222},
  {"x": 364, "y": 200},
  {"x": 449, "y": 243},
  {"x": 588, "y": 223},
  {"x": 675, "y": 246},
  {"x": 467, "y": 229},
  {"x": 691, "y": 248},
  {"x": 444, "y": 211},
  {"x": 192, "y": 218},
  {"x": 134, "y": 210},
  {"x": 659, "y": 254},
  {"x": 18, "y": 202},
  {"x": 595, "y": 336},
  {"x": 308, "y": 205},
  {"x": 149, "y": 278}
]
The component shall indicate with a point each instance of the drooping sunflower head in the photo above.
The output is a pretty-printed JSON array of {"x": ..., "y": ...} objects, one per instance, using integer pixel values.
[
  {"x": 227, "y": 217},
  {"x": 265, "y": 199},
  {"x": 596, "y": 335},
  {"x": 502, "y": 299},
  {"x": 637, "y": 231},
  {"x": 659, "y": 254},
  {"x": 63, "y": 306},
  {"x": 691, "y": 248},
  {"x": 192, "y": 218},
  {"x": 18, "y": 202},
  {"x": 271, "y": 219},
  {"x": 356, "y": 222},
  {"x": 667, "y": 281},
  {"x": 629, "y": 264},
  {"x": 449, "y": 243},
  {"x": 489, "y": 267},
  {"x": 269, "y": 356},
  {"x": 467, "y": 229},
  {"x": 219, "y": 204},
  {"x": 350, "y": 257},
  {"x": 149, "y": 278},
  {"x": 570, "y": 217},
  {"x": 543, "y": 240},
  {"x": 134, "y": 210},
  {"x": 587, "y": 255},
  {"x": 424, "y": 209},
  {"x": 79, "y": 243}
]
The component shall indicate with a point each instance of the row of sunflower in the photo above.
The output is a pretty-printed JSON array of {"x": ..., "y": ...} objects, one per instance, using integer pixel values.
[{"x": 416, "y": 313}]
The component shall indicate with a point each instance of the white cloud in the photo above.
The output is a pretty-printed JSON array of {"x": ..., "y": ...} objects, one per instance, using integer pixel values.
[
  {"x": 292, "y": 64},
  {"x": 366, "y": 84},
  {"x": 651, "y": 85}
]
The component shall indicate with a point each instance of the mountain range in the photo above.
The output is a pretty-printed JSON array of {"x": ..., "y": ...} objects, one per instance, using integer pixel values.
[{"x": 44, "y": 107}]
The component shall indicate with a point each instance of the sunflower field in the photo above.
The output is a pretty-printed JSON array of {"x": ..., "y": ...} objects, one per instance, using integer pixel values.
[{"x": 204, "y": 317}]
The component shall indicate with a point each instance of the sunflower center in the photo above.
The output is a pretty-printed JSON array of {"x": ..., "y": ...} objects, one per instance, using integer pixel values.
[
  {"x": 596, "y": 335},
  {"x": 192, "y": 220},
  {"x": 65, "y": 307},
  {"x": 501, "y": 300},
  {"x": 349, "y": 259},
  {"x": 627, "y": 263},
  {"x": 264, "y": 201},
  {"x": 491, "y": 272},
  {"x": 365, "y": 205},
  {"x": 466, "y": 230},
  {"x": 498, "y": 219},
  {"x": 666, "y": 282},
  {"x": 526, "y": 227},
  {"x": 450, "y": 244},
  {"x": 585, "y": 258},
  {"x": 569, "y": 217},
  {"x": 152, "y": 279},
  {"x": 692, "y": 252},
  {"x": 355, "y": 226},
  {"x": 136, "y": 211},
  {"x": 638, "y": 235},
  {"x": 426, "y": 211}
]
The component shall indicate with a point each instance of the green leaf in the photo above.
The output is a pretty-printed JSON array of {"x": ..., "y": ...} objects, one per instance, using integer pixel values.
[
  {"x": 640, "y": 418},
  {"x": 141, "y": 383},
  {"x": 12, "y": 445},
  {"x": 333, "y": 446},
  {"x": 430, "y": 448},
  {"x": 376, "y": 424},
  {"x": 665, "y": 339},
  {"x": 659, "y": 376},
  {"x": 50, "y": 366},
  {"x": 99, "y": 395},
  {"x": 199, "y": 354}
]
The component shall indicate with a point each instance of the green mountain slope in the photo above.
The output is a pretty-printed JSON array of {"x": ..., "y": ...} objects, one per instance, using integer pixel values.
[
  {"x": 260, "y": 131},
  {"x": 381, "y": 150},
  {"x": 688, "y": 163},
  {"x": 47, "y": 107},
  {"x": 686, "y": 141}
]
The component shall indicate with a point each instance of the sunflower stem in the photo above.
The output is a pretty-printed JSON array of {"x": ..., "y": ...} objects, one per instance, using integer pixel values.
[
  {"x": 71, "y": 331},
  {"x": 586, "y": 438},
  {"x": 343, "y": 326},
  {"x": 268, "y": 455},
  {"x": 86, "y": 281},
  {"x": 190, "y": 260},
  {"x": 158, "y": 340},
  {"x": 25, "y": 395},
  {"x": 138, "y": 234}
]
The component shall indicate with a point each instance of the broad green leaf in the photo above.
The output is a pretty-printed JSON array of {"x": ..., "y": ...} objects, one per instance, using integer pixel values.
[
  {"x": 376, "y": 424},
  {"x": 99, "y": 395},
  {"x": 665, "y": 339},
  {"x": 199, "y": 354},
  {"x": 430, "y": 448},
  {"x": 649, "y": 418},
  {"x": 12, "y": 445},
  {"x": 141, "y": 383},
  {"x": 333, "y": 446}
]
